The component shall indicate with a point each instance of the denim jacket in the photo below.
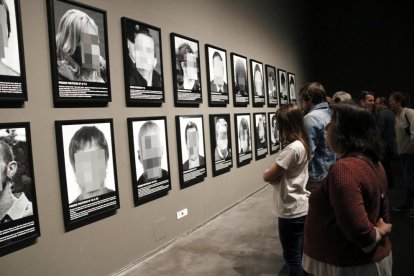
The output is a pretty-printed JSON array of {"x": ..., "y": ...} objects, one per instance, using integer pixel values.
[{"x": 322, "y": 156}]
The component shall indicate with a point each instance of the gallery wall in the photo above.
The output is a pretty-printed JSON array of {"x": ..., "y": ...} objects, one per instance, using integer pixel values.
[{"x": 272, "y": 32}]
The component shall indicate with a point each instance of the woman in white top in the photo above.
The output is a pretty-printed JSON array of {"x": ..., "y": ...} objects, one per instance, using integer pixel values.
[{"x": 288, "y": 175}]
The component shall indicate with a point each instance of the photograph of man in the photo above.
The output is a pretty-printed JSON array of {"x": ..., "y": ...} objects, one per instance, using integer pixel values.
[
  {"x": 151, "y": 149},
  {"x": 223, "y": 147},
  {"x": 261, "y": 142},
  {"x": 258, "y": 79},
  {"x": 89, "y": 154},
  {"x": 243, "y": 136},
  {"x": 80, "y": 49},
  {"x": 283, "y": 96},
  {"x": 271, "y": 84},
  {"x": 292, "y": 88},
  {"x": 143, "y": 48},
  {"x": 9, "y": 49},
  {"x": 274, "y": 132},
  {"x": 12, "y": 206},
  {"x": 187, "y": 65},
  {"x": 241, "y": 87},
  {"x": 218, "y": 75},
  {"x": 193, "y": 144}
]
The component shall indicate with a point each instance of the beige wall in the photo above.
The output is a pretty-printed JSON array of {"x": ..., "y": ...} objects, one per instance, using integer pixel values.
[{"x": 269, "y": 31}]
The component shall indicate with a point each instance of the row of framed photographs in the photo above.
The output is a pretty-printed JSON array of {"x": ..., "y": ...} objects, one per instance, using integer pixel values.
[
  {"x": 87, "y": 164},
  {"x": 80, "y": 63}
]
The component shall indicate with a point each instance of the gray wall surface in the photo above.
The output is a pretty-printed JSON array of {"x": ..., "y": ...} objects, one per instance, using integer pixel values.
[{"x": 270, "y": 31}]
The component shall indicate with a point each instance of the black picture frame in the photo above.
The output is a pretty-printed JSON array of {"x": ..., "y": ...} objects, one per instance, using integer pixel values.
[
  {"x": 240, "y": 80},
  {"x": 98, "y": 198},
  {"x": 292, "y": 88},
  {"x": 186, "y": 81},
  {"x": 274, "y": 137},
  {"x": 146, "y": 89},
  {"x": 190, "y": 174},
  {"x": 243, "y": 135},
  {"x": 257, "y": 77},
  {"x": 217, "y": 81},
  {"x": 148, "y": 145},
  {"x": 260, "y": 135},
  {"x": 220, "y": 141},
  {"x": 282, "y": 84},
  {"x": 21, "y": 227},
  {"x": 271, "y": 86},
  {"x": 13, "y": 87},
  {"x": 80, "y": 78}
]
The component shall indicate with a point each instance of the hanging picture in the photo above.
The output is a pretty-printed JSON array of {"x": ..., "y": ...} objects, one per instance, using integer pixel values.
[
  {"x": 243, "y": 141},
  {"x": 258, "y": 93},
  {"x": 283, "y": 90},
  {"x": 12, "y": 69},
  {"x": 292, "y": 87},
  {"x": 186, "y": 70},
  {"x": 218, "y": 92},
  {"x": 260, "y": 135},
  {"x": 191, "y": 149},
  {"x": 79, "y": 54},
  {"x": 274, "y": 140},
  {"x": 150, "y": 165},
  {"x": 220, "y": 140},
  {"x": 19, "y": 220},
  {"x": 87, "y": 169},
  {"x": 271, "y": 86},
  {"x": 240, "y": 80},
  {"x": 143, "y": 71}
]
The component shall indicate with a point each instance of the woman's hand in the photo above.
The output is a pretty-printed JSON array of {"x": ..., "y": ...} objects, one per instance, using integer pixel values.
[
  {"x": 383, "y": 227},
  {"x": 273, "y": 174}
]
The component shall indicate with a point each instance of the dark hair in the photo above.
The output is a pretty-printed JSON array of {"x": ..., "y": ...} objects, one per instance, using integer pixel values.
[
  {"x": 356, "y": 131},
  {"x": 6, "y": 152},
  {"x": 85, "y": 135},
  {"x": 217, "y": 54},
  {"x": 401, "y": 97},
  {"x": 283, "y": 79},
  {"x": 291, "y": 80},
  {"x": 313, "y": 92},
  {"x": 188, "y": 126},
  {"x": 363, "y": 94},
  {"x": 291, "y": 126},
  {"x": 274, "y": 119},
  {"x": 383, "y": 100}
]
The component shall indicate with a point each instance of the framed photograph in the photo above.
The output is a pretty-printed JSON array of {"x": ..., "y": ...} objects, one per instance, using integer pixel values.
[
  {"x": 218, "y": 92},
  {"x": 78, "y": 54},
  {"x": 19, "y": 220},
  {"x": 240, "y": 80},
  {"x": 274, "y": 140},
  {"x": 260, "y": 135},
  {"x": 258, "y": 93},
  {"x": 12, "y": 69},
  {"x": 292, "y": 88},
  {"x": 244, "y": 139},
  {"x": 185, "y": 56},
  {"x": 87, "y": 169},
  {"x": 143, "y": 71},
  {"x": 191, "y": 149},
  {"x": 220, "y": 140},
  {"x": 148, "y": 143},
  {"x": 283, "y": 90},
  {"x": 271, "y": 86}
]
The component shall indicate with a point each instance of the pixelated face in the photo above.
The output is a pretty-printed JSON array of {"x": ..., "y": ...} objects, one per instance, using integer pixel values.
[
  {"x": 218, "y": 71},
  {"x": 151, "y": 154},
  {"x": 258, "y": 84},
  {"x": 244, "y": 140},
  {"x": 4, "y": 36},
  {"x": 192, "y": 143},
  {"x": 89, "y": 44},
  {"x": 369, "y": 102},
  {"x": 221, "y": 135},
  {"x": 144, "y": 52},
  {"x": 90, "y": 167},
  {"x": 192, "y": 70}
]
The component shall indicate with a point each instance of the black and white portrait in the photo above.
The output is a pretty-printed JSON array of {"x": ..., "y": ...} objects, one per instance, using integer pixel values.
[
  {"x": 150, "y": 157},
  {"x": 271, "y": 86},
  {"x": 283, "y": 89},
  {"x": 244, "y": 139},
  {"x": 220, "y": 137},
  {"x": 273, "y": 133},
  {"x": 191, "y": 147},
  {"x": 79, "y": 48},
  {"x": 292, "y": 87},
  {"x": 186, "y": 69},
  {"x": 260, "y": 135},
  {"x": 217, "y": 75},
  {"x": 240, "y": 80},
  {"x": 18, "y": 208},
  {"x": 258, "y": 83},
  {"x": 142, "y": 62}
]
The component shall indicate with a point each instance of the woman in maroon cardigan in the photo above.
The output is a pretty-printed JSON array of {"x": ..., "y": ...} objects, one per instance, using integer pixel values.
[{"x": 348, "y": 220}]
